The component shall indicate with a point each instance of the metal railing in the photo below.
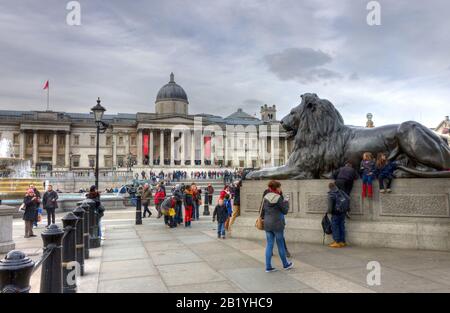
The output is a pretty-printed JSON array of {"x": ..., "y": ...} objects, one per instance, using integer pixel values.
[{"x": 62, "y": 260}]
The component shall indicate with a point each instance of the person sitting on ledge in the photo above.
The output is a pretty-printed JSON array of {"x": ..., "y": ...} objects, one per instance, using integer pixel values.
[{"x": 385, "y": 172}]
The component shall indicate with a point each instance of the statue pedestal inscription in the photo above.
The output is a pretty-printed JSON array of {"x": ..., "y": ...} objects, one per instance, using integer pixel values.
[
  {"x": 416, "y": 215},
  {"x": 6, "y": 223}
]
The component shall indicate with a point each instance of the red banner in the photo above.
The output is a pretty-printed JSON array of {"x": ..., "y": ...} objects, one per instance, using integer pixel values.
[{"x": 207, "y": 147}]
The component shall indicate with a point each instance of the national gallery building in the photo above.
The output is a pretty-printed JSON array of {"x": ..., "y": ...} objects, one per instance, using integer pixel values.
[{"x": 170, "y": 137}]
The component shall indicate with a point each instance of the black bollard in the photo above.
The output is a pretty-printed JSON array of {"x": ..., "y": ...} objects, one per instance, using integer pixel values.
[
  {"x": 15, "y": 273},
  {"x": 51, "y": 273},
  {"x": 69, "y": 259},
  {"x": 85, "y": 207},
  {"x": 206, "y": 204},
  {"x": 138, "y": 210},
  {"x": 79, "y": 212},
  {"x": 94, "y": 239}
]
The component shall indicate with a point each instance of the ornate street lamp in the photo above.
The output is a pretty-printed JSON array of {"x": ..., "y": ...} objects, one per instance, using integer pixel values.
[{"x": 98, "y": 111}]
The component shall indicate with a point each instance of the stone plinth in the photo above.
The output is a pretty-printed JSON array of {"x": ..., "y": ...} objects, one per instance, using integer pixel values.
[
  {"x": 416, "y": 215},
  {"x": 6, "y": 231}
]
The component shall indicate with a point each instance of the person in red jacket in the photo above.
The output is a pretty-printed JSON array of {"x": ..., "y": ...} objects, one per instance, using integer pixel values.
[
  {"x": 188, "y": 206},
  {"x": 159, "y": 198},
  {"x": 224, "y": 192}
]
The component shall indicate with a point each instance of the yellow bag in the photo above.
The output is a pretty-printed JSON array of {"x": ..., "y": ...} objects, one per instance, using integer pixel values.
[{"x": 171, "y": 212}]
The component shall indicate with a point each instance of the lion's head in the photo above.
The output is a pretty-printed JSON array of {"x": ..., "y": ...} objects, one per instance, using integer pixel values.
[{"x": 312, "y": 120}]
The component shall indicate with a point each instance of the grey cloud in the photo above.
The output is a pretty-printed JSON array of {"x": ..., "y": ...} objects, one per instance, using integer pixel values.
[{"x": 302, "y": 64}]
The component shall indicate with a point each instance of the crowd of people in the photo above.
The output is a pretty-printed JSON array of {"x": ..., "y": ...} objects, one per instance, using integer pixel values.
[
  {"x": 227, "y": 175},
  {"x": 182, "y": 205}
]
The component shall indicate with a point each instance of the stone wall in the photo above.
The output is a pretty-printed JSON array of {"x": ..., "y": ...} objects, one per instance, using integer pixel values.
[{"x": 415, "y": 215}]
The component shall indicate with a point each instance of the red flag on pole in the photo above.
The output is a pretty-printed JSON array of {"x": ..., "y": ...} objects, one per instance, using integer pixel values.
[{"x": 46, "y": 85}]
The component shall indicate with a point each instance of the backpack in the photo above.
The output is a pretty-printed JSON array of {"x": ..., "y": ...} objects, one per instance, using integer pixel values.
[
  {"x": 342, "y": 202},
  {"x": 326, "y": 226}
]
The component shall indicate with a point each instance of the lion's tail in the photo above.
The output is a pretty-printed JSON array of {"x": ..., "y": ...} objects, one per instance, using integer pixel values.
[{"x": 422, "y": 174}]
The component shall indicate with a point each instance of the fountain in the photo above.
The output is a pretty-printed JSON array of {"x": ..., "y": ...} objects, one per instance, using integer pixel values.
[
  {"x": 15, "y": 178},
  {"x": 15, "y": 173}
]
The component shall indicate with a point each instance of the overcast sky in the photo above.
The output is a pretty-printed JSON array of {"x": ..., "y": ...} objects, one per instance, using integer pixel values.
[{"x": 228, "y": 54}]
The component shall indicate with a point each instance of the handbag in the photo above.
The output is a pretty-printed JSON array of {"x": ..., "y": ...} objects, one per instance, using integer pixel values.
[{"x": 259, "y": 224}]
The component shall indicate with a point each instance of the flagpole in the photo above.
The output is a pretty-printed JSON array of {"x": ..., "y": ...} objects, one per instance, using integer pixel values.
[{"x": 48, "y": 96}]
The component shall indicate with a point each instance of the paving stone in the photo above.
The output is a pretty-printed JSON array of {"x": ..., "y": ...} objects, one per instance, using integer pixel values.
[
  {"x": 163, "y": 245},
  {"x": 148, "y": 284},
  {"x": 326, "y": 282},
  {"x": 174, "y": 257},
  {"x": 257, "y": 280},
  {"x": 216, "y": 287},
  {"x": 127, "y": 269},
  {"x": 188, "y": 273},
  {"x": 392, "y": 280},
  {"x": 114, "y": 254},
  {"x": 231, "y": 260},
  {"x": 191, "y": 239}
]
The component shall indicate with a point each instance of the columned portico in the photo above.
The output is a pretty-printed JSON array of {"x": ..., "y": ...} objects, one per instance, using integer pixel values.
[
  {"x": 151, "y": 144},
  {"x": 67, "y": 150},
  {"x": 139, "y": 147},
  {"x": 22, "y": 145},
  {"x": 35, "y": 147},
  {"x": 172, "y": 147},
  {"x": 55, "y": 149},
  {"x": 161, "y": 147}
]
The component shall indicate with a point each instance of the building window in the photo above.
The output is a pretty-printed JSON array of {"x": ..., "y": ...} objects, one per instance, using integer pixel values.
[
  {"x": 76, "y": 161},
  {"x": 120, "y": 159},
  {"x": 92, "y": 140},
  {"x": 108, "y": 161},
  {"x": 92, "y": 161},
  {"x": 108, "y": 140},
  {"x": 133, "y": 140},
  {"x": 61, "y": 140},
  {"x": 76, "y": 140},
  {"x": 16, "y": 139},
  {"x": 29, "y": 140},
  {"x": 46, "y": 139},
  {"x": 120, "y": 140}
]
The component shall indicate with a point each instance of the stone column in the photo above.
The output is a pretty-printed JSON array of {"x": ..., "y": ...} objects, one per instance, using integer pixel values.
[
  {"x": 172, "y": 147},
  {"x": 67, "y": 150},
  {"x": 212, "y": 143},
  {"x": 22, "y": 144},
  {"x": 202, "y": 149},
  {"x": 182, "y": 147},
  {"x": 114, "y": 149},
  {"x": 225, "y": 142},
  {"x": 150, "y": 147},
  {"x": 55, "y": 149},
  {"x": 192, "y": 148},
  {"x": 272, "y": 151},
  {"x": 139, "y": 147},
  {"x": 161, "y": 147},
  {"x": 35, "y": 147}
]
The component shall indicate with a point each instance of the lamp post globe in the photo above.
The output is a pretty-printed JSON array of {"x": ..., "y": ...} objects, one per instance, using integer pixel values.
[{"x": 98, "y": 111}]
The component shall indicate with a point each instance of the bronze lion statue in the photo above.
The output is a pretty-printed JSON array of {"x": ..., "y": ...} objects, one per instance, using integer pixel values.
[{"x": 323, "y": 143}]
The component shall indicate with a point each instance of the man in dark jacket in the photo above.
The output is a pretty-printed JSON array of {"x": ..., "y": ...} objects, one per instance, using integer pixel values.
[
  {"x": 50, "y": 205},
  {"x": 221, "y": 212},
  {"x": 337, "y": 219},
  {"x": 345, "y": 176}
]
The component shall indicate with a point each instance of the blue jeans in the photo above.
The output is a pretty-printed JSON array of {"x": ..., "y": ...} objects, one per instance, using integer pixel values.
[
  {"x": 279, "y": 237},
  {"x": 367, "y": 179},
  {"x": 338, "y": 227},
  {"x": 178, "y": 214},
  {"x": 221, "y": 229},
  {"x": 196, "y": 211}
]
